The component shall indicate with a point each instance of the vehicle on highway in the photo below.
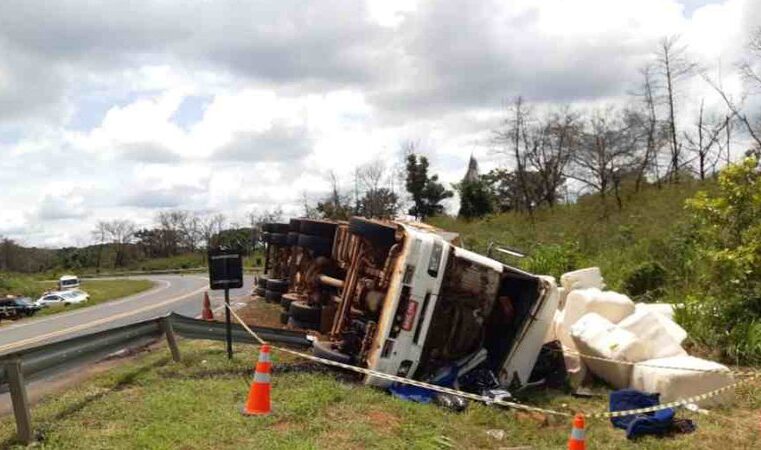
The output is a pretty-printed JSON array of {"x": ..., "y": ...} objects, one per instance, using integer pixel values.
[
  {"x": 404, "y": 298},
  {"x": 16, "y": 307},
  {"x": 68, "y": 282},
  {"x": 62, "y": 298}
]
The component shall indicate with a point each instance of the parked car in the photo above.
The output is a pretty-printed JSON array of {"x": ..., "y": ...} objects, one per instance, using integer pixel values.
[
  {"x": 404, "y": 298},
  {"x": 68, "y": 282},
  {"x": 17, "y": 307},
  {"x": 62, "y": 298}
]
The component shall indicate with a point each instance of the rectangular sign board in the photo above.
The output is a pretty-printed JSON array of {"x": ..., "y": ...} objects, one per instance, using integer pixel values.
[{"x": 225, "y": 269}]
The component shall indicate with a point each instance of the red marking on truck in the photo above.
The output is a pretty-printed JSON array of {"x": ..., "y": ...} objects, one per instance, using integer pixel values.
[{"x": 409, "y": 315}]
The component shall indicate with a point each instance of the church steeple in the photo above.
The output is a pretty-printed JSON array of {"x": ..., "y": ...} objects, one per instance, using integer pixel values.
[{"x": 472, "y": 173}]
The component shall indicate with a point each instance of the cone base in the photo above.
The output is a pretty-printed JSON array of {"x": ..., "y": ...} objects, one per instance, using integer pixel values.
[{"x": 254, "y": 413}]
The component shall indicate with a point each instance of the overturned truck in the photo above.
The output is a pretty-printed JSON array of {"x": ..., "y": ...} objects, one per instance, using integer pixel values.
[{"x": 405, "y": 299}]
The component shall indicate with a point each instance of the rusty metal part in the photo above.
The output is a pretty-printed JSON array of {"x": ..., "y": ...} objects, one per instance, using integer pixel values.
[
  {"x": 388, "y": 266},
  {"x": 367, "y": 341},
  {"x": 349, "y": 286},
  {"x": 330, "y": 281}
]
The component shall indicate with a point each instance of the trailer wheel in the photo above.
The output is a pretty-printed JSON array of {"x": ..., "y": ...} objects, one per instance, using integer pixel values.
[
  {"x": 273, "y": 296},
  {"x": 376, "y": 232},
  {"x": 321, "y": 228},
  {"x": 276, "y": 227},
  {"x": 320, "y": 246},
  {"x": 295, "y": 225},
  {"x": 287, "y": 299},
  {"x": 278, "y": 239},
  {"x": 260, "y": 291},
  {"x": 324, "y": 349},
  {"x": 303, "y": 325},
  {"x": 273, "y": 284},
  {"x": 284, "y": 316},
  {"x": 293, "y": 239},
  {"x": 303, "y": 312}
]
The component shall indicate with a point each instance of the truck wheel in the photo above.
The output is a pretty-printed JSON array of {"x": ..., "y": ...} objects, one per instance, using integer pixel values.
[
  {"x": 278, "y": 239},
  {"x": 295, "y": 225},
  {"x": 287, "y": 299},
  {"x": 303, "y": 325},
  {"x": 284, "y": 316},
  {"x": 303, "y": 312},
  {"x": 293, "y": 239},
  {"x": 260, "y": 291},
  {"x": 321, "y": 228},
  {"x": 273, "y": 296},
  {"x": 276, "y": 227},
  {"x": 376, "y": 232},
  {"x": 324, "y": 349},
  {"x": 320, "y": 246},
  {"x": 273, "y": 284}
]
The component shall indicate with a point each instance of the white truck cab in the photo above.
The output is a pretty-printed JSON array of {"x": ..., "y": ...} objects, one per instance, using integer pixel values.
[
  {"x": 68, "y": 282},
  {"x": 445, "y": 303}
]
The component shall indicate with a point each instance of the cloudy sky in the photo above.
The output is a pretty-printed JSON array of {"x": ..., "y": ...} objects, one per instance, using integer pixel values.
[{"x": 121, "y": 109}]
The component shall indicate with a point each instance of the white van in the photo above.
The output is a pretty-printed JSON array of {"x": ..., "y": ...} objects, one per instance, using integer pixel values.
[{"x": 68, "y": 282}]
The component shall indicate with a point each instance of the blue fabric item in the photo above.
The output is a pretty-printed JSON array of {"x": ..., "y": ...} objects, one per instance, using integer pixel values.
[
  {"x": 412, "y": 393},
  {"x": 657, "y": 423}
]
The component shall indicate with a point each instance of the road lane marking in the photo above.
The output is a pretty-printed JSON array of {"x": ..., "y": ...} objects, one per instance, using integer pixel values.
[{"x": 42, "y": 337}]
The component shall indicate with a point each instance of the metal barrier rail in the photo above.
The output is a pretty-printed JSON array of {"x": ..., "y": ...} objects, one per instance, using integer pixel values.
[{"x": 34, "y": 362}]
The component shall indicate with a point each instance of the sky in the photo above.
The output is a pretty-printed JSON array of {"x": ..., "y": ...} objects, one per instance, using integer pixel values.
[{"x": 119, "y": 110}]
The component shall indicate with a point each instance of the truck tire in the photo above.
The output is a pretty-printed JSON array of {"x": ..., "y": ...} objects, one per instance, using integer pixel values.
[
  {"x": 284, "y": 316},
  {"x": 273, "y": 284},
  {"x": 287, "y": 299},
  {"x": 276, "y": 227},
  {"x": 260, "y": 291},
  {"x": 273, "y": 296},
  {"x": 320, "y": 246},
  {"x": 376, "y": 232},
  {"x": 293, "y": 239},
  {"x": 303, "y": 325},
  {"x": 321, "y": 228},
  {"x": 279, "y": 239},
  {"x": 324, "y": 349},
  {"x": 265, "y": 237},
  {"x": 302, "y": 312},
  {"x": 295, "y": 226}
]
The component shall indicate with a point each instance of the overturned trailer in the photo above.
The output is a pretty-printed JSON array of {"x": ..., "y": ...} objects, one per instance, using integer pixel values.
[{"x": 403, "y": 298}]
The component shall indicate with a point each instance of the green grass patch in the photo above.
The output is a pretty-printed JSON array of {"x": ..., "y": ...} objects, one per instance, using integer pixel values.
[{"x": 154, "y": 403}]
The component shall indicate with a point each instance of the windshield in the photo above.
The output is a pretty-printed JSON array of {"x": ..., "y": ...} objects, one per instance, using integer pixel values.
[
  {"x": 69, "y": 282},
  {"x": 68, "y": 295}
]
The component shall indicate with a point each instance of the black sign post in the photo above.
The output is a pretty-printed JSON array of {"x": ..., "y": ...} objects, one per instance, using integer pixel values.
[{"x": 226, "y": 272}]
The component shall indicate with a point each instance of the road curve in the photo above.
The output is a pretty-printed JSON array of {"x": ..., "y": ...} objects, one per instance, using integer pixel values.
[{"x": 182, "y": 294}]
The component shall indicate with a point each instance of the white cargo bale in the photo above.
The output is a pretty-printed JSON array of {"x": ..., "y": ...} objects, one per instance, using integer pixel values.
[
  {"x": 681, "y": 377},
  {"x": 582, "y": 279},
  {"x": 596, "y": 336},
  {"x": 665, "y": 314},
  {"x": 665, "y": 309},
  {"x": 648, "y": 327},
  {"x": 563, "y": 292},
  {"x": 575, "y": 367},
  {"x": 611, "y": 305}
]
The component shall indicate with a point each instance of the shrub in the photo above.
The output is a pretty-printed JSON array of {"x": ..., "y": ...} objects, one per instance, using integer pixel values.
[
  {"x": 554, "y": 259},
  {"x": 728, "y": 232},
  {"x": 646, "y": 281}
]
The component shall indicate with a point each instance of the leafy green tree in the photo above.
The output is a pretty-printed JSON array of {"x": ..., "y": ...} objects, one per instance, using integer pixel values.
[
  {"x": 426, "y": 192},
  {"x": 476, "y": 199},
  {"x": 728, "y": 229}
]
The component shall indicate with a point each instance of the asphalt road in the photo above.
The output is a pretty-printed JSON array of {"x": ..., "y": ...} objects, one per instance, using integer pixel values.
[{"x": 182, "y": 294}]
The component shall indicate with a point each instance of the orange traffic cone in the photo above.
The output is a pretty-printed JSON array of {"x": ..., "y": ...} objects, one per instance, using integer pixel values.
[
  {"x": 576, "y": 441},
  {"x": 258, "y": 403},
  {"x": 206, "y": 313}
]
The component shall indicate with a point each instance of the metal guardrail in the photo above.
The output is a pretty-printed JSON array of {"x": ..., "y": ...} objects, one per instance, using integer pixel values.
[{"x": 35, "y": 362}]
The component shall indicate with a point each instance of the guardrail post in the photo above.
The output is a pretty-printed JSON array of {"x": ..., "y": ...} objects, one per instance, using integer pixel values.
[
  {"x": 166, "y": 327},
  {"x": 20, "y": 401}
]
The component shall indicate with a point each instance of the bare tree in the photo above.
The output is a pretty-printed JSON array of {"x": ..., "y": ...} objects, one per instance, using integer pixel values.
[
  {"x": 549, "y": 147},
  {"x": 120, "y": 233},
  {"x": 510, "y": 141},
  {"x": 704, "y": 140},
  {"x": 210, "y": 226},
  {"x": 608, "y": 151},
  {"x": 99, "y": 235},
  {"x": 673, "y": 67},
  {"x": 649, "y": 125}
]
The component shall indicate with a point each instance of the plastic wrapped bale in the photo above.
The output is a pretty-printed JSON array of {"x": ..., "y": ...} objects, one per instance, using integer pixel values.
[
  {"x": 665, "y": 314},
  {"x": 681, "y": 377},
  {"x": 648, "y": 327},
  {"x": 590, "y": 277},
  {"x": 575, "y": 367},
  {"x": 596, "y": 336}
]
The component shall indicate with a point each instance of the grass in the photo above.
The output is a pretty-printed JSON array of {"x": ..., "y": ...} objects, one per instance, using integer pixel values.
[
  {"x": 591, "y": 231},
  {"x": 154, "y": 403}
]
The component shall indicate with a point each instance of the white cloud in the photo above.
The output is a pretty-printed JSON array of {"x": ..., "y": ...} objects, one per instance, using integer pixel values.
[{"x": 92, "y": 94}]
